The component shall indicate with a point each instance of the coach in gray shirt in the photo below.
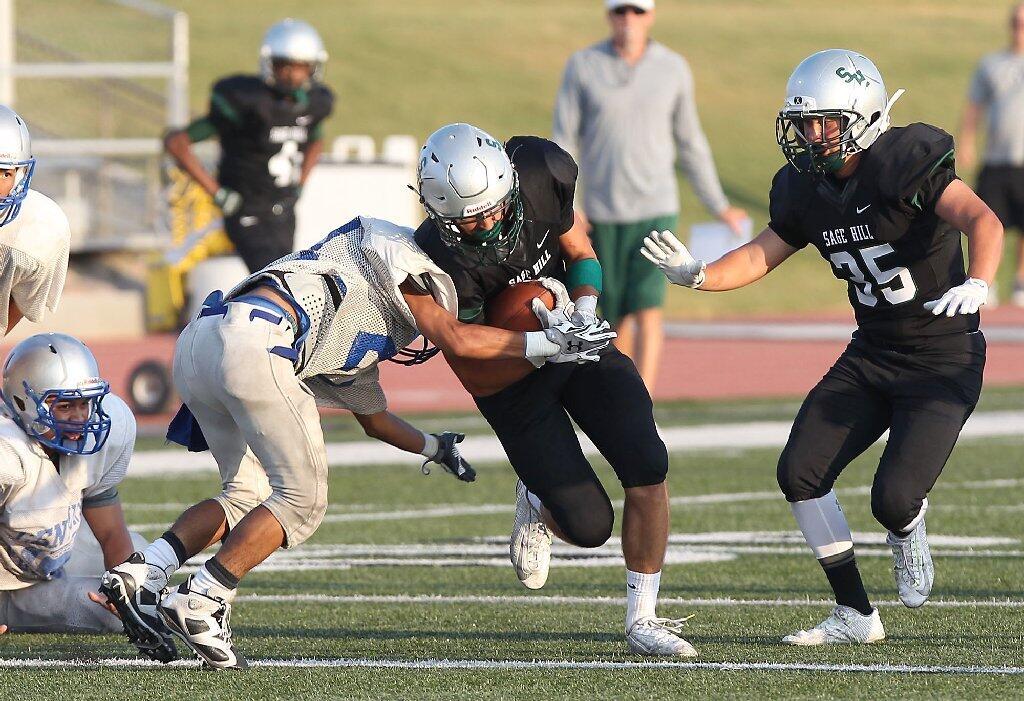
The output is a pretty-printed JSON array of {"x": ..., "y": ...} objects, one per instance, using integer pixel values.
[
  {"x": 626, "y": 113},
  {"x": 997, "y": 91}
]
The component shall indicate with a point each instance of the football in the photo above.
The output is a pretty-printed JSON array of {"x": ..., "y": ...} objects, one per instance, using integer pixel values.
[{"x": 510, "y": 309}]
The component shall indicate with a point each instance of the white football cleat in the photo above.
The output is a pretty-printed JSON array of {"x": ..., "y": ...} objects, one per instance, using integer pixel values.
[
  {"x": 201, "y": 622},
  {"x": 912, "y": 566},
  {"x": 136, "y": 605},
  {"x": 659, "y": 636},
  {"x": 530, "y": 546},
  {"x": 844, "y": 625}
]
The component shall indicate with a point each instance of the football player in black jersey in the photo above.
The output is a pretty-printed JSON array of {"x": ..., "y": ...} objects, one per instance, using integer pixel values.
[
  {"x": 270, "y": 129},
  {"x": 886, "y": 208},
  {"x": 500, "y": 214}
]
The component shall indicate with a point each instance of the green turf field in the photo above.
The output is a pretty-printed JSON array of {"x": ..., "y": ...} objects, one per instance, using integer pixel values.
[
  {"x": 409, "y": 66},
  {"x": 737, "y": 563}
]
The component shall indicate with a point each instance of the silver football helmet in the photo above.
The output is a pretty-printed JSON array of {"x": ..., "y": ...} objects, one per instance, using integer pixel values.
[
  {"x": 292, "y": 40},
  {"x": 16, "y": 155},
  {"x": 53, "y": 367},
  {"x": 837, "y": 84},
  {"x": 465, "y": 176}
]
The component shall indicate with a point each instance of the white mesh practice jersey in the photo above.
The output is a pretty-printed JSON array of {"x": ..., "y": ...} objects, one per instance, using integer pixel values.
[
  {"x": 33, "y": 258},
  {"x": 41, "y": 506},
  {"x": 347, "y": 284}
]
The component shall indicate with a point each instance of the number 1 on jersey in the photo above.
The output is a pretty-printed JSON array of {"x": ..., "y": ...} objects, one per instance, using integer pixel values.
[{"x": 895, "y": 284}]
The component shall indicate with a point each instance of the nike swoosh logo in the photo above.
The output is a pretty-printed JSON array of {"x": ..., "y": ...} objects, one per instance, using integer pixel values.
[
  {"x": 544, "y": 239},
  {"x": 862, "y": 209}
]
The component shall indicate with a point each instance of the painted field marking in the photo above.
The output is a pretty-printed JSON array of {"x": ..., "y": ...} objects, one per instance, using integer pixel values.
[
  {"x": 596, "y": 600},
  {"x": 431, "y": 664}
]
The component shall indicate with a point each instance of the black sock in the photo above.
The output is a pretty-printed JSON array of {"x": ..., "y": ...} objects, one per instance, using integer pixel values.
[
  {"x": 844, "y": 577},
  {"x": 177, "y": 546},
  {"x": 221, "y": 574}
]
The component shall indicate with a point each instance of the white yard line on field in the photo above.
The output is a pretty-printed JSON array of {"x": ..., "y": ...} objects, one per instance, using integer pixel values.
[
  {"x": 432, "y": 664},
  {"x": 727, "y": 436},
  {"x": 542, "y": 600}
]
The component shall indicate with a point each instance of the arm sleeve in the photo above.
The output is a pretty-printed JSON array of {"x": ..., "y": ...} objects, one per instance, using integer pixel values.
[
  {"x": 780, "y": 212},
  {"x": 200, "y": 129},
  {"x": 565, "y": 129},
  {"x": 694, "y": 151},
  {"x": 980, "y": 90},
  {"x": 36, "y": 266},
  {"x": 361, "y": 394}
]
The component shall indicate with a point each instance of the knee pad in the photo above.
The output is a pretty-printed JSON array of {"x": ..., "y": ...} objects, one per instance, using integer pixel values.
[
  {"x": 895, "y": 509},
  {"x": 299, "y": 511},
  {"x": 583, "y": 512}
]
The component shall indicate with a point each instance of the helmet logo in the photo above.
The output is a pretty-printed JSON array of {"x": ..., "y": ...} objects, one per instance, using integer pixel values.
[{"x": 861, "y": 79}]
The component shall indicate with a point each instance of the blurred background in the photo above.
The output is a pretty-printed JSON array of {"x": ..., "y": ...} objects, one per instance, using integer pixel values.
[{"x": 98, "y": 82}]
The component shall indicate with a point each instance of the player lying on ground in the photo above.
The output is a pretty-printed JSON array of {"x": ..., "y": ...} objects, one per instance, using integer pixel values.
[
  {"x": 270, "y": 130},
  {"x": 309, "y": 328},
  {"x": 499, "y": 215},
  {"x": 65, "y": 444},
  {"x": 886, "y": 208},
  {"x": 34, "y": 233}
]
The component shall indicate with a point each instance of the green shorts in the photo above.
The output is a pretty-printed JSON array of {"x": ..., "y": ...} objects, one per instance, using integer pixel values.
[{"x": 631, "y": 282}]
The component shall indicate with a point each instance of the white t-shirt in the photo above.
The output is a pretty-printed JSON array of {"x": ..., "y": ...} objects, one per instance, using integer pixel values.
[
  {"x": 41, "y": 506},
  {"x": 33, "y": 258}
]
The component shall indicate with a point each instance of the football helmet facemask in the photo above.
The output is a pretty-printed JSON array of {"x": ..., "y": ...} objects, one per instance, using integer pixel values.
[
  {"x": 16, "y": 155},
  {"x": 843, "y": 92},
  {"x": 465, "y": 177},
  {"x": 48, "y": 368}
]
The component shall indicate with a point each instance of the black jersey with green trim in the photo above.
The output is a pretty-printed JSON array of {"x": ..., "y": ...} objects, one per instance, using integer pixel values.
[
  {"x": 264, "y": 134},
  {"x": 547, "y": 183},
  {"x": 879, "y": 230}
]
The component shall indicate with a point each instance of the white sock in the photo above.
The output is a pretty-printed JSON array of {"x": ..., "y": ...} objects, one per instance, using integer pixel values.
[
  {"x": 205, "y": 583},
  {"x": 534, "y": 500},
  {"x": 641, "y": 596},
  {"x": 161, "y": 555}
]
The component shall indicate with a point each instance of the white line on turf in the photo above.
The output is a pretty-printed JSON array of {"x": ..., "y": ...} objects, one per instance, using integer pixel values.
[
  {"x": 726, "y": 436},
  {"x": 448, "y": 510},
  {"x": 429, "y": 664},
  {"x": 542, "y": 600}
]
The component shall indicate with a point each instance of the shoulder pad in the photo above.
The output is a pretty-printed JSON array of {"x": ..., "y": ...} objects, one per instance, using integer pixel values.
[
  {"x": 527, "y": 152},
  {"x": 903, "y": 157},
  {"x": 240, "y": 90}
]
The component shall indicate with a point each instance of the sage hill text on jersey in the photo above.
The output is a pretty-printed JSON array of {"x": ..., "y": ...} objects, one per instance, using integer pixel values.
[{"x": 879, "y": 230}]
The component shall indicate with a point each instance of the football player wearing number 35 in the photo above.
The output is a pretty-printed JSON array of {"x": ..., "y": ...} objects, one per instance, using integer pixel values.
[
  {"x": 270, "y": 128},
  {"x": 886, "y": 208}
]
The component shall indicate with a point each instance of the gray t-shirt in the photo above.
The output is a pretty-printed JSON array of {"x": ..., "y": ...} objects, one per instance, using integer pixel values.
[
  {"x": 626, "y": 126},
  {"x": 998, "y": 86}
]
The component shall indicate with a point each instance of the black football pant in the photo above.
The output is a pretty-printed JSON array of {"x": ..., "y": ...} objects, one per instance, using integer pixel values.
[
  {"x": 611, "y": 405},
  {"x": 262, "y": 233},
  {"x": 921, "y": 394}
]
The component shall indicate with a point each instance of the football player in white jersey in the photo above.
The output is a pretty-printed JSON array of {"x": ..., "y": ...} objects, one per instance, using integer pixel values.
[
  {"x": 65, "y": 444},
  {"x": 34, "y": 233},
  {"x": 308, "y": 329}
]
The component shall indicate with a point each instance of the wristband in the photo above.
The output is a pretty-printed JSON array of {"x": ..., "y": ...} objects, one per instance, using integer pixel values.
[{"x": 584, "y": 272}]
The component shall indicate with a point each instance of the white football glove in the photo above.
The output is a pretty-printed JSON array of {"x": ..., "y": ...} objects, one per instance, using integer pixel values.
[
  {"x": 962, "y": 299},
  {"x": 551, "y": 317},
  {"x": 578, "y": 343},
  {"x": 228, "y": 200},
  {"x": 556, "y": 288},
  {"x": 670, "y": 255},
  {"x": 585, "y": 311}
]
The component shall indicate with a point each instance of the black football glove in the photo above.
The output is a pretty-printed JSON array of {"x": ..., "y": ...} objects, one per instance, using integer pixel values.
[{"x": 449, "y": 458}]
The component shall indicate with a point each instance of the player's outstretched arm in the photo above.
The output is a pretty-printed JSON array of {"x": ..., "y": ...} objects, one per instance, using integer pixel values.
[
  {"x": 737, "y": 268},
  {"x": 435, "y": 447}
]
